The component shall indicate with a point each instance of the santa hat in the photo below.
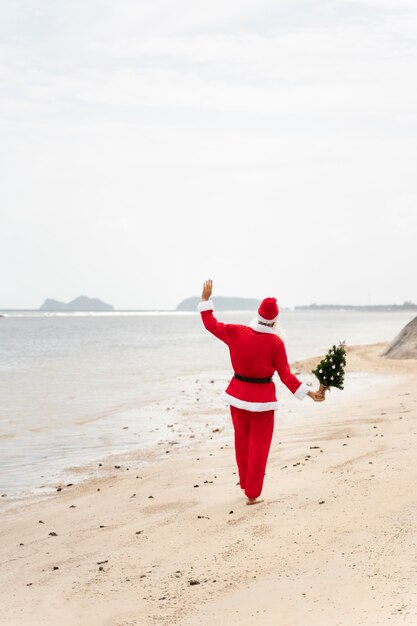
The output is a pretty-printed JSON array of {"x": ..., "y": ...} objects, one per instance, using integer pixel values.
[{"x": 268, "y": 310}]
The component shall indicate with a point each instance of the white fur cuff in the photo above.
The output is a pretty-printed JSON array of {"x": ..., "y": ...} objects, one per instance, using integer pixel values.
[
  {"x": 302, "y": 391},
  {"x": 206, "y": 305}
]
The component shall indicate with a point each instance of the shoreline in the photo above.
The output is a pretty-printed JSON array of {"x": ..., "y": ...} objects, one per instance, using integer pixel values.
[
  {"x": 174, "y": 434},
  {"x": 323, "y": 548}
]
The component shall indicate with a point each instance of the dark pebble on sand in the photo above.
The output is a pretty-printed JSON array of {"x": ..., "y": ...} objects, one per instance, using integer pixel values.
[
  {"x": 53, "y": 534},
  {"x": 102, "y": 526},
  {"x": 70, "y": 484},
  {"x": 117, "y": 466},
  {"x": 101, "y": 568},
  {"x": 72, "y": 506},
  {"x": 29, "y": 584},
  {"x": 4, "y": 495},
  {"x": 194, "y": 582},
  {"x": 133, "y": 495},
  {"x": 138, "y": 532},
  {"x": 102, "y": 562},
  {"x": 100, "y": 464},
  {"x": 196, "y": 485},
  {"x": 59, "y": 488},
  {"x": 163, "y": 598},
  {"x": 55, "y": 567},
  {"x": 150, "y": 496},
  {"x": 314, "y": 447},
  {"x": 41, "y": 522},
  {"x": 321, "y": 501},
  {"x": 21, "y": 544},
  {"x": 230, "y": 512}
]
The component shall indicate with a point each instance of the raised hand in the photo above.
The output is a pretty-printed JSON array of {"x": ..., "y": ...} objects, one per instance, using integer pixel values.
[{"x": 207, "y": 290}]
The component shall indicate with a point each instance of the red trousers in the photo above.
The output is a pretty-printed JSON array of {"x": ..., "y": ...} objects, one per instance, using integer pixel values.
[{"x": 253, "y": 436}]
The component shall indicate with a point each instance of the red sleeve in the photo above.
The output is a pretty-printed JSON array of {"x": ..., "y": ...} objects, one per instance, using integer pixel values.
[
  {"x": 216, "y": 328},
  {"x": 283, "y": 368}
]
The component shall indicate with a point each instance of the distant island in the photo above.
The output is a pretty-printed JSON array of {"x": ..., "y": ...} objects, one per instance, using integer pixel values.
[
  {"x": 82, "y": 303},
  {"x": 406, "y": 306},
  {"x": 222, "y": 303}
]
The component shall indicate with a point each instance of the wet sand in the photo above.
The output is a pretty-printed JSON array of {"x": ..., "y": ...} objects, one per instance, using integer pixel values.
[{"x": 172, "y": 542}]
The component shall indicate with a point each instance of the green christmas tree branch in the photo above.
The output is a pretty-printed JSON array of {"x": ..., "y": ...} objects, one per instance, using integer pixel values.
[{"x": 330, "y": 371}]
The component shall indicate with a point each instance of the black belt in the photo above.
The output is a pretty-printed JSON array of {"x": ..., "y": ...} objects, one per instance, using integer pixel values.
[{"x": 258, "y": 381}]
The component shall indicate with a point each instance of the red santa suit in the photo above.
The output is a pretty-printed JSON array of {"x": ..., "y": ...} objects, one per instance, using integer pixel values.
[{"x": 256, "y": 353}]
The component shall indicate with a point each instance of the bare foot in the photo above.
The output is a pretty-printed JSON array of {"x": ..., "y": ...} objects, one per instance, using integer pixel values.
[{"x": 253, "y": 501}]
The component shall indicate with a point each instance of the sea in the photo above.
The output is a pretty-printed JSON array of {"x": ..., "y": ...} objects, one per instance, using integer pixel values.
[{"x": 78, "y": 387}]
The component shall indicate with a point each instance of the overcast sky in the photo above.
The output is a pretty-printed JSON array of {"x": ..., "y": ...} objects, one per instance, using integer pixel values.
[{"x": 268, "y": 144}]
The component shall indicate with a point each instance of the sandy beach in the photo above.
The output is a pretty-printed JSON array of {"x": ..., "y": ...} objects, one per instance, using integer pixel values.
[{"x": 172, "y": 542}]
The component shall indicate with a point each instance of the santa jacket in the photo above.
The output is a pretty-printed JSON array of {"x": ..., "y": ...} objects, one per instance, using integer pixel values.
[{"x": 256, "y": 352}]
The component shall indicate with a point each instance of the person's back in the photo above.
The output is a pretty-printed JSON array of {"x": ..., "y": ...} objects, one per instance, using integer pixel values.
[{"x": 253, "y": 353}]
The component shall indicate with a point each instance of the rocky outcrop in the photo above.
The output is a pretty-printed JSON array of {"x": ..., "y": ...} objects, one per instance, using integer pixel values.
[
  {"x": 404, "y": 345},
  {"x": 82, "y": 303}
]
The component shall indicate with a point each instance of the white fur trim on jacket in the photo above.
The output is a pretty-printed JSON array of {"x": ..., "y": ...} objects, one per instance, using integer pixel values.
[
  {"x": 255, "y": 325},
  {"x": 276, "y": 329},
  {"x": 302, "y": 391},
  {"x": 205, "y": 305},
  {"x": 255, "y": 407}
]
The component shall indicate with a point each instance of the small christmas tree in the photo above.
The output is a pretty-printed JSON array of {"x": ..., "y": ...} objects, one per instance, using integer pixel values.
[{"x": 330, "y": 371}]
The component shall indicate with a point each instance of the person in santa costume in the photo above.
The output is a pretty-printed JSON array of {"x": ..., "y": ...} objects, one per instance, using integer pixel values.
[{"x": 256, "y": 353}]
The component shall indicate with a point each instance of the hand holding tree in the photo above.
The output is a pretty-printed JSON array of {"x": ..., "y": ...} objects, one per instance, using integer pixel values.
[{"x": 317, "y": 396}]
